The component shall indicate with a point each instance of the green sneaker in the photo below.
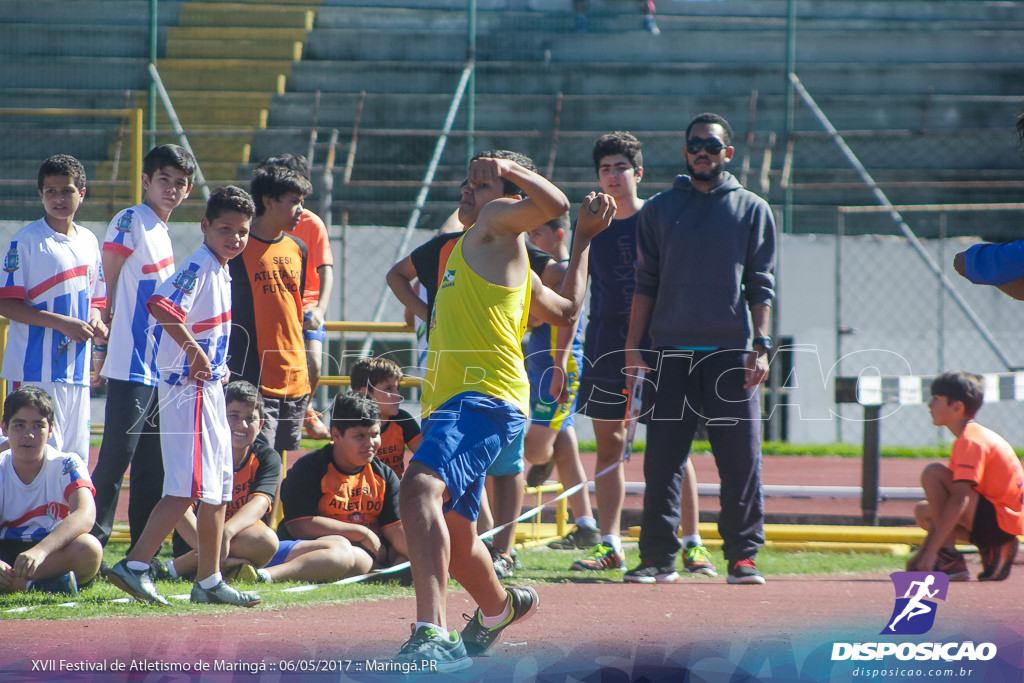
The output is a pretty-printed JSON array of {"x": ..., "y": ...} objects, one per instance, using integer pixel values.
[
  {"x": 523, "y": 603},
  {"x": 429, "y": 650},
  {"x": 602, "y": 557},
  {"x": 697, "y": 560},
  {"x": 241, "y": 573}
]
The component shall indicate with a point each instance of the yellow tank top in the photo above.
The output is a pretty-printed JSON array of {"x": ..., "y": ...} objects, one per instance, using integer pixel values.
[{"x": 476, "y": 332}]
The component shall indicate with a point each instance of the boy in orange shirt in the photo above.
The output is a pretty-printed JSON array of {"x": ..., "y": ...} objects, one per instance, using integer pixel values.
[
  {"x": 319, "y": 281},
  {"x": 978, "y": 497}
]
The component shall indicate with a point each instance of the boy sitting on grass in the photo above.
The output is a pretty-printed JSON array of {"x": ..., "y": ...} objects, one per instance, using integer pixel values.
[
  {"x": 344, "y": 492},
  {"x": 977, "y": 497},
  {"x": 46, "y": 504},
  {"x": 381, "y": 379}
]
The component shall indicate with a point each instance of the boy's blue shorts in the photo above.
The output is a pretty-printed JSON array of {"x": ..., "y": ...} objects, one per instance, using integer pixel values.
[
  {"x": 510, "y": 460},
  {"x": 460, "y": 441},
  {"x": 283, "y": 548}
]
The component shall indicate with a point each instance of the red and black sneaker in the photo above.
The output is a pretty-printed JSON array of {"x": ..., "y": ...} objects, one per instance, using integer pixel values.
[
  {"x": 997, "y": 560},
  {"x": 951, "y": 562},
  {"x": 744, "y": 572}
]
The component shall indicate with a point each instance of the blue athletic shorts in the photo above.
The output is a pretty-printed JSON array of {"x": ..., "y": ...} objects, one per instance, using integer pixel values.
[
  {"x": 460, "y": 441},
  {"x": 510, "y": 460},
  {"x": 314, "y": 335},
  {"x": 283, "y": 548}
]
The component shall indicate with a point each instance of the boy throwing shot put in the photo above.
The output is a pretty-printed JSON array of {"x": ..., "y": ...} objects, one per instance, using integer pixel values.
[{"x": 478, "y": 322}]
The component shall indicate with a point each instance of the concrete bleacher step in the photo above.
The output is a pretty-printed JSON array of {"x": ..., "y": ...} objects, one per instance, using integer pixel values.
[
  {"x": 82, "y": 13},
  {"x": 238, "y": 42},
  {"x": 589, "y": 114},
  {"x": 284, "y": 15},
  {"x": 260, "y": 75},
  {"x": 706, "y": 78},
  {"x": 70, "y": 40},
  {"x": 894, "y": 44},
  {"x": 198, "y": 109},
  {"x": 876, "y": 10},
  {"x": 99, "y": 73}
]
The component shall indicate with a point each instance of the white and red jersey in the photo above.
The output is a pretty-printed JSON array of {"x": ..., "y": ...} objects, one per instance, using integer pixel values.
[
  {"x": 198, "y": 295},
  {"x": 141, "y": 237},
  {"x": 28, "y": 512},
  {"x": 57, "y": 273}
]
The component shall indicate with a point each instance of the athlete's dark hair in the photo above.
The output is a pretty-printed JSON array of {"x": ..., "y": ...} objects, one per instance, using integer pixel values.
[
  {"x": 354, "y": 409},
  {"x": 62, "y": 164},
  {"x": 708, "y": 117},
  {"x": 369, "y": 372},
  {"x": 560, "y": 223},
  {"x": 276, "y": 181},
  {"x": 28, "y": 396},
  {"x": 229, "y": 198},
  {"x": 509, "y": 188},
  {"x": 618, "y": 142},
  {"x": 293, "y": 162},
  {"x": 169, "y": 155},
  {"x": 244, "y": 392},
  {"x": 961, "y": 386}
]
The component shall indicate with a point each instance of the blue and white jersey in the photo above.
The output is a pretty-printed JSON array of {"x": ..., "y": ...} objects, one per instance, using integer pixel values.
[
  {"x": 29, "y": 512},
  {"x": 57, "y": 273},
  {"x": 142, "y": 239},
  {"x": 198, "y": 295}
]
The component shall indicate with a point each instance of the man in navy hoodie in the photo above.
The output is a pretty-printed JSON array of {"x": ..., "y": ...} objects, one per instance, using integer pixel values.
[{"x": 705, "y": 280}]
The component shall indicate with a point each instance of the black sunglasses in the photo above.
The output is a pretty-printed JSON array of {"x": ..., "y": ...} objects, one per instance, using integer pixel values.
[{"x": 711, "y": 145}]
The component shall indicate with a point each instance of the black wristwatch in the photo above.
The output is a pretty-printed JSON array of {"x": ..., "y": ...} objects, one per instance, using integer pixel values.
[{"x": 764, "y": 342}]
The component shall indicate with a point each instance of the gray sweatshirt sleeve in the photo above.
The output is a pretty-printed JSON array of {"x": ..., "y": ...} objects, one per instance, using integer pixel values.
[
  {"x": 647, "y": 253},
  {"x": 759, "y": 271}
]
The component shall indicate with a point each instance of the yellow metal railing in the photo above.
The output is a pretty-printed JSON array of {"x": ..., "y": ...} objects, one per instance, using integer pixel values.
[
  {"x": 134, "y": 116},
  {"x": 376, "y": 328}
]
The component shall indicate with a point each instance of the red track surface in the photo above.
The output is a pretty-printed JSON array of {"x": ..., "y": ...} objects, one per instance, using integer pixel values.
[{"x": 599, "y": 629}]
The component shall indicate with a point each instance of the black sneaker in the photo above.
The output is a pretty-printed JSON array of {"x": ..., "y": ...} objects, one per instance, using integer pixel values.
[
  {"x": 478, "y": 638},
  {"x": 647, "y": 572},
  {"x": 538, "y": 474},
  {"x": 744, "y": 572},
  {"x": 951, "y": 562},
  {"x": 137, "y": 584},
  {"x": 430, "y": 650},
  {"x": 158, "y": 571},
  {"x": 997, "y": 560},
  {"x": 580, "y": 538}
]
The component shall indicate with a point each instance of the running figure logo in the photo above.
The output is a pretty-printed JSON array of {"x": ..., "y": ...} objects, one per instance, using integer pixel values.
[{"x": 914, "y": 612}]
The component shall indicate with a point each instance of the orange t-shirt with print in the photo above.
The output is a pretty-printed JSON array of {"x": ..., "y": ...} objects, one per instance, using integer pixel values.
[{"x": 986, "y": 460}]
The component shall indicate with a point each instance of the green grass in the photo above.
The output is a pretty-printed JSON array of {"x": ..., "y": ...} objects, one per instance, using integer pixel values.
[{"x": 542, "y": 566}]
